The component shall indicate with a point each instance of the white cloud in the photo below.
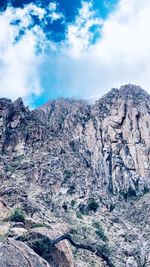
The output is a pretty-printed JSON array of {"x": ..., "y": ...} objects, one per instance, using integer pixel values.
[
  {"x": 76, "y": 67},
  {"x": 21, "y": 56},
  {"x": 18, "y": 60},
  {"x": 120, "y": 56},
  {"x": 123, "y": 52},
  {"x": 52, "y": 6},
  {"x": 79, "y": 35},
  {"x": 53, "y": 12}
]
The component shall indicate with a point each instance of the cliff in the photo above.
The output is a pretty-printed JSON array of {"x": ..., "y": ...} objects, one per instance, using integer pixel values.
[{"x": 68, "y": 155}]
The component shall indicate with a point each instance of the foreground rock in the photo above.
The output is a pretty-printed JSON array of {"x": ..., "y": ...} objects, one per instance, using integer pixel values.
[
  {"x": 15, "y": 253},
  {"x": 59, "y": 255}
]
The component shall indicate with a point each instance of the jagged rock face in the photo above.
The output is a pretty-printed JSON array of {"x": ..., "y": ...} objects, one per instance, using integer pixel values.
[
  {"x": 68, "y": 149},
  {"x": 125, "y": 139}
]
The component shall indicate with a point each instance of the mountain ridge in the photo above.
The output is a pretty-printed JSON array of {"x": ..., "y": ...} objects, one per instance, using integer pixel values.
[{"x": 70, "y": 157}]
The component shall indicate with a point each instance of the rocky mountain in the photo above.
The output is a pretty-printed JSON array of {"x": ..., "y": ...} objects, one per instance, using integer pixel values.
[{"x": 82, "y": 168}]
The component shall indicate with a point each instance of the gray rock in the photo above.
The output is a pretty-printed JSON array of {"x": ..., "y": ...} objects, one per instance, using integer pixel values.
[
  {"x": 66, "y": 152},
  {"x": 15, "y": 253}
]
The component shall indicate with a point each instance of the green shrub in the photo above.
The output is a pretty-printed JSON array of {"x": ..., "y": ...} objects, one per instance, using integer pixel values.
[
  {"x": 83, "y": 209},
  {"x": 79, "y": 215},
  {"x": 65, "y": 207},
  {"x": 112, "y": 206},
  {"x": 36, "y": 225},
  {"x": 71, "y": 190},
  {"x": 42, "y": 246},
  {"x": 17, "y": 215},
  {"x": 66, "y": 176},
  {"x": 146, "y": 190},
  {"x": 73, "y": 231},
  {"x": 73, "y": 202},
  {"x": 96, "y": 225},
  {"x": 106, "y": 249},
  {"x": 92, "y": 205},
  {"x": 99, "y": 231},
  {"x": 129, "y": 194}
]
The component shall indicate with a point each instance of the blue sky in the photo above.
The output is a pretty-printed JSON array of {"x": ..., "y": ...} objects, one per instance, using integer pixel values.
[{"x": 51, "y": 49}]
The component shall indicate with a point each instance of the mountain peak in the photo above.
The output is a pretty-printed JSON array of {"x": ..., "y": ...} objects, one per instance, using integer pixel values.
[
  {"x": 126, "y": 92},
  {"x": 132, "y": 90}
]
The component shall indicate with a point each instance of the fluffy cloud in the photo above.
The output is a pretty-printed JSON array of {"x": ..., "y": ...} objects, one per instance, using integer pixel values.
[
  {"x": 53, "y": 13},
  {"x": 120, "y": 56},
  {"x": 80, "y": 34},
  {"x": 95, "y": 55},
  {"x": 21, "y": 50},
  {"x": 18, "y": 59}
]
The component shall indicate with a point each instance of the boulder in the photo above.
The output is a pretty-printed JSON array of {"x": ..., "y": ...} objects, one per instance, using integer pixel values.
[
  {"x": 18, "y": 254},
  {"x": 39, "y": 240}
]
